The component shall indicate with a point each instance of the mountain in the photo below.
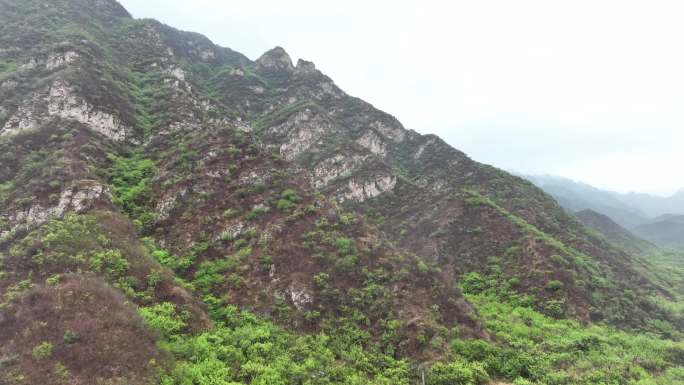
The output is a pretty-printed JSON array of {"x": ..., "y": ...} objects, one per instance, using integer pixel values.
[
  {"x": 174, "y": 212},
  {"x": 615, "y": 233},
  {"x": 577, "y": 196},
  {"x": 654, "y": 205},
  {"x": 652, "y": 218},
  {"x": 665, "y": 230}
]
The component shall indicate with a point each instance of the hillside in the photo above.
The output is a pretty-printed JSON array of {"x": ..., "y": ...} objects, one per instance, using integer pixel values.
[
  {"x": 654, "y": 205},
  {"x": 173, "y": 212},
  {"x": 650, "y": 217},
  {"x": 576, "y": 196},
  {"x": 616, "y": 234},
  {"x": 666, "y": 231}
]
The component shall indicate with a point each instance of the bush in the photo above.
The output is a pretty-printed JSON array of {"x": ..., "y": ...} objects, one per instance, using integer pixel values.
[
  {"x": 60, "y": 370},
  {"x": 344, "y": 245},
  {"x": 321, "y": 280},
  {"x": 559, "y": 260},
  {"x": 554, "y": 285},
  {"x": 265, "y": 261},
  {"x": 255, "y": 213},
  {"x": 553, "y": 308},
  {"x": 71, "y": 337},
  {"x": 288, "y": 200},
  {"x": 423, "y": 267},
  {"x": 53, "y": 279},
  {"x": 42, "y": 351},
  {"x": 131, "y": 183},
  {"x": 473, "y": 283},
  {"x": 162, "y": 318},
  {"x": 110, "y": 262},
  {"x": 457, "y": 373},
  {"x": 347, "y": 262}
]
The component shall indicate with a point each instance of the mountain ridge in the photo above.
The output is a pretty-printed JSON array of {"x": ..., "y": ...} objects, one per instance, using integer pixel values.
[
  {"x": 629, "y": 210},
  {"x": 204, "y": 194}
]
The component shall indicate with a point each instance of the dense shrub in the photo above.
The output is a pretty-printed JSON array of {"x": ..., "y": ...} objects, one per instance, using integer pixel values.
[
  {"x": 554, "y": 285},
  {"x": 42, "y": 351},
  {"x": 288, "y": 200},
  {"x": 473, "y": 283},
  {"x": 131, "y": 185},
  {"x": 163, "y": 319},
  {"x": 457, "y": 373}
]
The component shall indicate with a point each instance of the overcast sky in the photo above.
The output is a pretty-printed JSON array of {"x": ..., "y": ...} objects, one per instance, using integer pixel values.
[{"x": 591, "y": 90}]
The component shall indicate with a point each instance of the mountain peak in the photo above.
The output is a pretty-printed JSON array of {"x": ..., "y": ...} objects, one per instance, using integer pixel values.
[
  {"x": 276, "y": 59},
  {"x": 304, "y": 66},
  {"x": 114, "y": 7}
]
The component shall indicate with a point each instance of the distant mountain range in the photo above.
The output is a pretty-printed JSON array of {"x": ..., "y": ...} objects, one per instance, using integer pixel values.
[
  {"x": 657, "y": 219},
  {"x": 666, "y": 230},
  {"x": 615, "y": 233}
]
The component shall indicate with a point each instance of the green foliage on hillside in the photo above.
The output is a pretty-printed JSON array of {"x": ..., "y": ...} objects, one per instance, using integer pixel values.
[
  {"x": 245, "y": 349},
  {"x": 534, "y": 348},
  {"x": 7, "y": 68},
  {"x": 544, "y": 350},
  {"x": 250, "y": 232},
  {"x": 131, "y": 185}
]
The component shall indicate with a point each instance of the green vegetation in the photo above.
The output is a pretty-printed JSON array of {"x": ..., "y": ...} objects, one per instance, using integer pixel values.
[
  {"x": 288, "y": 200},
  {"x": 554, "y": 285},
  {"x": 7, "y": 68},
  {"x": 6, "y": 188},
  {"x": 543, "y": 350},
  {"x": 275, "y": 117},
  {"x": 131, "y": 186},
  {"x": 61, "y": 371},
  {"x": 457, "y": 372},
  {"x": 71, "y": 337},
  {"x": 244, "y": 349},
  {"x": 162, "y": 318},
  {"x": 42, "y": 351},
  {"x": 146, "y": 92},
  {"x": 223, "y": 306},
  {"x": 535, "y": 348}
]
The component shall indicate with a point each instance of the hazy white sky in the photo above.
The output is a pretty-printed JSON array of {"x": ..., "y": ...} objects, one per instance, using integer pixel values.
[{"x": 591, "y": 90}]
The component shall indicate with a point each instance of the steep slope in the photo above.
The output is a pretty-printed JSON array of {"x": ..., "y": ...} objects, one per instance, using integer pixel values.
[
  {"x": 173, "y": 212},
  {"x": 616, "y": 234},
  {"x": 228, "y": 221},
  {"x": 429, "y": 197}
]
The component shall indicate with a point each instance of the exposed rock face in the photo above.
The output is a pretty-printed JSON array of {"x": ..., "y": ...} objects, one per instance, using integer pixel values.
[
  {"x": 373, "y": 143},
  {"x": 276, "y": 59},
  {"x": 166, "y": 204},
  {"x": 30, "y": 65},
  {"x": 8, "y": 85},
  {"x": 422, "y": 147},
  {"x": 357, "y": 220},
  {"x": 300, "y": 297},
  {"x": 305, "y": 67},
  {"x": 58, "y": 60},
  {"x": 62, "y": 101},
  {"x": 331, "y": 168},
  {"x": 77, "y": 198},
  {"x": 395, "y": 134},
  {"x": 65, "y": 103},
  {"x": 360, "y": 190},
  {"x": 303, "y": 130},
  {"x": 23, "y": 119}
]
